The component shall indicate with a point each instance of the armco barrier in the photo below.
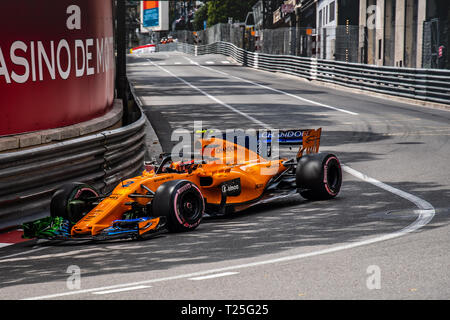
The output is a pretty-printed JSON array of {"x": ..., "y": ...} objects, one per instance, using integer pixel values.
[
  {"x": 432, "y": 85},
  {"x": 28, "y": 178}
]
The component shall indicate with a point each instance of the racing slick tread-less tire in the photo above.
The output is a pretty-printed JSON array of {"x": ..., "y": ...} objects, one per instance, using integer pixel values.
[
  {"x": 319, "y": 176},
  {"x": 181, "y": 202},
  {"x": 60, "y": 203}
]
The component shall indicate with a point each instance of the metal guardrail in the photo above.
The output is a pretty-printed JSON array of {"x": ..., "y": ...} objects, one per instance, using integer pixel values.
[
  {"x": 431, "y": 85},
  {"x": 166, "y": 47},
  {"x": 28, "y": 178}
]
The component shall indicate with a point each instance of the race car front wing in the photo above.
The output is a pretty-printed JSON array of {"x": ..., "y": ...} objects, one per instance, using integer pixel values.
[{"x": 58, "y": 228}]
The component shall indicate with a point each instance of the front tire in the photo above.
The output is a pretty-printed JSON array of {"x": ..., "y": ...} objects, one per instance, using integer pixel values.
[
  {"x": 319, "y": 176},
  {"x": 181, "y": 202},
  {"x": 73, "y": 201}
]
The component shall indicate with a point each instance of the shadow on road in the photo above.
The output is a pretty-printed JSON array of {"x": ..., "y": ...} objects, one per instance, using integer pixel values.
[{"x": 360, "y": 212}]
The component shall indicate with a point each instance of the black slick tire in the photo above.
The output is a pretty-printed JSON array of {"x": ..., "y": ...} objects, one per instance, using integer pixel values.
[
  {"x": 181, "y": 202},
  {"x": 68, "y": 194},
  {"x": 319, "y": 176}
]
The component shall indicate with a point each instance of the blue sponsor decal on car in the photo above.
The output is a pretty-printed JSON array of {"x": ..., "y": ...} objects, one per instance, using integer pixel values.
[
  {"x": 124, "y": 185},
  {"x": 282, "y": 136}
]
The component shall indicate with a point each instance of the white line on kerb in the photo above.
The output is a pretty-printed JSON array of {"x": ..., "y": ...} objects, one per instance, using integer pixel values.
[{"x": 425, "y": 214}]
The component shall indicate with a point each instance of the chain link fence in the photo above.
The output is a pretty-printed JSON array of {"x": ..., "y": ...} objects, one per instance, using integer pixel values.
[
  {"x": 345, "y": 43},
  {"x": 334, "y": 43},
  {"x": 219, "y": 32}
]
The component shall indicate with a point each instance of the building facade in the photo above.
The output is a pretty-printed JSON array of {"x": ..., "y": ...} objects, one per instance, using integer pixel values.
[
  {"x": 401, "y": 33},
  {"x": 404, "y": 33}
]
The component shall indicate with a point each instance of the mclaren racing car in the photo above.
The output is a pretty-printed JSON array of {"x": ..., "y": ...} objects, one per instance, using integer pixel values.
[{"x": 175, "y": 194}]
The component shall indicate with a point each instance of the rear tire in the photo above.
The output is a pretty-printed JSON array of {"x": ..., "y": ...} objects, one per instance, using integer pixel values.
[
  {"x": 319, "y": 176},
  {"x": 181, "y": 202},
  {"x": 61, "y": 206}
]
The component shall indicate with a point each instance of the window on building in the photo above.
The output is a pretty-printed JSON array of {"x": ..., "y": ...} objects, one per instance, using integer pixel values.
[
  {"x": 332, "y": 11},
  {"x": 320, "y": 19}
]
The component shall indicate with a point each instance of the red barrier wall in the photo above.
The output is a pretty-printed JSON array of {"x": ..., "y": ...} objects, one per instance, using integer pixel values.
[{"x": 56, "y": 63}]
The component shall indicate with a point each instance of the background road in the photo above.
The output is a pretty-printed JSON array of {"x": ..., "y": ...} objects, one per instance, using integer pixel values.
[{"x": 291, "y": 248}]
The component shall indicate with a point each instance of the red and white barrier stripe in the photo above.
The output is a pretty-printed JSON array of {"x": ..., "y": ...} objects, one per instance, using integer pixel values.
[{"x": 11, "y": 237}]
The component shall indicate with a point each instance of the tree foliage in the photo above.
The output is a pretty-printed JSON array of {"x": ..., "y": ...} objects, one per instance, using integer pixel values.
[
  {"x": 200, "y": 16},
  {"x": 218, "y": 11}
]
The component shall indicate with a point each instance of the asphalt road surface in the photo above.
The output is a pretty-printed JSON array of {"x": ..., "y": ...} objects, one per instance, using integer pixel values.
[{"x": 386, "y": 236}]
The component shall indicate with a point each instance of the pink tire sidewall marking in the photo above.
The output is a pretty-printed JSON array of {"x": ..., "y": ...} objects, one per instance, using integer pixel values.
[
  {"x": 180, "y": 219},
  {"x": 325, "y": 174}
]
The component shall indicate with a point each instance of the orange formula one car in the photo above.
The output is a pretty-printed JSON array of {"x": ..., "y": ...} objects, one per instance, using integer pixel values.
[{"x": 225, "y": 177}]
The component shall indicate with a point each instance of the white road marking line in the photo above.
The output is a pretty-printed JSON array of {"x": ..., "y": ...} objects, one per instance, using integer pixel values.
[
  {"x": 217, "y": 275},
  {"x": 425, "y": 213},
  {"x": 210, "y": 96},
  {"x": 21, "y": 253},
  {"x": 283, "y": 92},
  {"x": 177, "y": 63},
  {"x": 121, "y": 290},
  {"x": 225, "y": 62},
  {"x": 209, "y": 62},
  {"x": 99, "y": 289},
  {"x": 192, "y": 61}
]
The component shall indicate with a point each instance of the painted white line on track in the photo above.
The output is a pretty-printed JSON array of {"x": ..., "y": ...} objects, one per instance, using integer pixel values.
[
  {"x": 426, "y": 211},
  {"x": 425, "y": 214},
  {"x": 83, "y": 291},
  {"x": 210, "y": 96},
  {"x": 212, "y": 276},
  {"x": 121, "y": 290},
  {"x": 277, "y": 90},
  {"x": 323, "y": 105},
  {"x": 191, "y": 61}
]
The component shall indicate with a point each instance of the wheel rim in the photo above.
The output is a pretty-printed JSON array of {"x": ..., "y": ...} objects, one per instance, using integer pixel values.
[
  {"x": 80, "y": 199},
  {"x": 190, "y": 206}
]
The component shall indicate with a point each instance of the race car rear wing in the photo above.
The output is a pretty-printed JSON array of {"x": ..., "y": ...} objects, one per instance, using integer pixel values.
[
  {"x": 307, "y": 139},
  {"x": 310, "y": 143}
]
